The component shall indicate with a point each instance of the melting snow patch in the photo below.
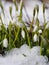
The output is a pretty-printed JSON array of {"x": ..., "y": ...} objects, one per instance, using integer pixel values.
[{"x": 17, "y": 56}]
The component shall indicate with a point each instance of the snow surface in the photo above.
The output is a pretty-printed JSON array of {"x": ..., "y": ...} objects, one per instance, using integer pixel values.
[{"x": 23, "y": 55}]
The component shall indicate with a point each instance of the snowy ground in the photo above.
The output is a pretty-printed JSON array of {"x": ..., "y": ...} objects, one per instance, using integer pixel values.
[{"x": 24, "y": 55}]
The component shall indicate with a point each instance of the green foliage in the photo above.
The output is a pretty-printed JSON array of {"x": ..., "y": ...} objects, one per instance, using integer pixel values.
[
  {"x": 15, "y": 3},
  {"x": 2, "y": 7}
]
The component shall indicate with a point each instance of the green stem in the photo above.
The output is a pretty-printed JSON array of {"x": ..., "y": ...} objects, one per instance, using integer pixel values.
[
  {"x": 16, "y": 37},
  {"x": 41, "y": 48}
]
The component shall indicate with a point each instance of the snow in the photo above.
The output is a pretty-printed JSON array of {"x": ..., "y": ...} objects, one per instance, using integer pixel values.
[
  {"x": 26, "y": 50},
  {"x": 23, "y": 55},
  {"x": 17, "y": 51},
  {"x": 35, "y": 50}
]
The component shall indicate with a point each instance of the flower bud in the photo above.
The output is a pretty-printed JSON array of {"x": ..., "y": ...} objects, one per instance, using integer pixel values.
[
  {"x": 23, "y": 34},
  {"x": 35, "y": 38},
  {"x": 5, "y": 43},
  {"x": 40, "y": 31}
]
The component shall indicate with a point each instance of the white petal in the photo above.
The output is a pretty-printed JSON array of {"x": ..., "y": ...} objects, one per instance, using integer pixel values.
[
  {"x": 23, "y": 34},
  {"x": 35, "y": 38},
  {"x": 5, "y": 43},
  {"x": 40, "y": 31}
]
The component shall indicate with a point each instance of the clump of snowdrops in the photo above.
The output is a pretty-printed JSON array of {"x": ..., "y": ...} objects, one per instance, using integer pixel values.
[{"x": 33, "y": 34}]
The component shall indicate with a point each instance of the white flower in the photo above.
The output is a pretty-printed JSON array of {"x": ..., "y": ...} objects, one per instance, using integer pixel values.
[
  {"x": 47, "y": 26},
  {"x": 35, "y": 28},
  {"x": 23, "y": 34},
  {"x": 28, "y": 28},
  {"x": 40, "y": 31},
  {"x": 35, "y": 38},
  {"x": 5, "y": 43}
]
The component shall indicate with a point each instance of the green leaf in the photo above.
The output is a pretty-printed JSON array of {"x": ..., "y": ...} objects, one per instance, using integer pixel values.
[
  {"x": 10, "y": 9},
  {"x": 34, "y": 12},
  {"x": 15, "y": 3},
  {"x": 43, "y": 8},
  {"x": 37, "y": 7},
  {"x": 2, "y": 7}
]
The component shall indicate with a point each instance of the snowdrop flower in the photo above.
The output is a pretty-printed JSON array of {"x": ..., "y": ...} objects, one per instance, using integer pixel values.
[
  {"x": 40, "y": 31},
  {"x": 47, "y": 26},
  {"x": 5, "y": 43},
  {"x": 35, "y": 38},
  {"x": 23, "y": 34},
  {"x": 28, "y": 28},
  {"x": 35, "y": 28}
]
